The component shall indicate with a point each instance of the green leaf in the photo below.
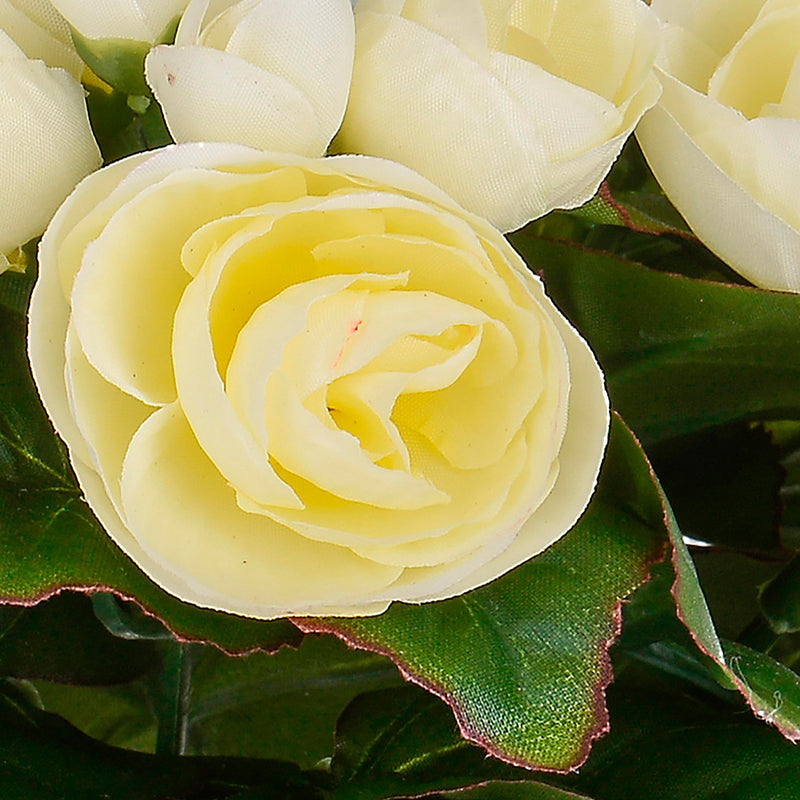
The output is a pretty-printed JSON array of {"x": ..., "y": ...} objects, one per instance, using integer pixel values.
[
  {"x": 61, "y": 640},
  {"x": 679, "y": 354},
  {"x": 282, "y": 706},
  {"x": 16, "y": 287},
  {"x": 770, "y": 689},
  {"x": 631, "y": 197},
  {"x": 780, "y": 599},
  {"x": 646, "y": 212},
  {"x": 49, "y": 539},
  {"x": 43, "y": 757},
  {"x": 523, "y": 662},
  {"x": 731, "y": 582},
  {"x": 503, "y": 790},
  {"x": 669, "y": 746},
  {"x": 120, "y": 62},
  {"x": 120, "y": 715},
  {"x": 30, "y": 455},
  {"x": 405, "y": 742},
  {"x": 125, "y": 619}
]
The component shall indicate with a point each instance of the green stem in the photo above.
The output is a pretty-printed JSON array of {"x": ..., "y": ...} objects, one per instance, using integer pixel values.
[{"x": 173, "y": 699}]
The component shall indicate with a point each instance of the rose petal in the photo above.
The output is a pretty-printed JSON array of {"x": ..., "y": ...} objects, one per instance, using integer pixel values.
[
  {"x": 185, "y": 516},
  {"x": 210, "y": 95},
  {"x": 750, "y": 237}
]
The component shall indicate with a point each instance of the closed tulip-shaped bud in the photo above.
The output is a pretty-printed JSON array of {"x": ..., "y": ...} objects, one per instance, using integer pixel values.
[
  {"x": 46, "y": 143},
  {"x": 273, "y": 74},
  {"x": 514, "y": 108},
  {"x": 724, "y": 140}
]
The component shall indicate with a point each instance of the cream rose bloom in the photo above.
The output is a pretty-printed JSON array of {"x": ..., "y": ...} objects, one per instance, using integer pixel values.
[
  {"x": 724, "y": 141},
  {"x": 272, "y": 74},
  {"x": 46, "y": 144},
  {"x": 295, "y": 386},
  {"x": 514, "y": 107}
]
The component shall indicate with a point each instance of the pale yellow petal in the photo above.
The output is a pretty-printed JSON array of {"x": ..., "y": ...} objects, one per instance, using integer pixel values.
[
  {"x": 757, "y": 69},
  {"x": 106, "y": 417},
  {"x": 444, "y": 91},
  {"x": 46, "y": 146},
  {"x": 309, "y": 43},
  {"x": 745, "y": 230},
  {"x": 139, "y": 20},
  {"x": 185, "y": 517},
  {"x": 231, "y": 446},
  {"x": 41, "y": 32},
  {"x": 49, "y": 307},
  {"x": 579, "y": 457},
  {"x": 333, "y": 460},
  {"x": 461, "y": 22},
  {"x": 210, "y": 95},
  {"x": 261, "y": 344},
  {"x": 718, "y": 23}
]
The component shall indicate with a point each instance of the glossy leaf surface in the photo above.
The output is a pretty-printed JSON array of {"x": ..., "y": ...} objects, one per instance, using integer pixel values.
[{"x": 679, "y": 354}]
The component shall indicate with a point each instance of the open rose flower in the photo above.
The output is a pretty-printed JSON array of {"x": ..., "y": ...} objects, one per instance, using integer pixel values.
[
  {"x": 514, "y": 107},
  {"x": 272, "y": 74},
  {"x": 724, "y": 140},
  {"x": 295, "y": 386}
]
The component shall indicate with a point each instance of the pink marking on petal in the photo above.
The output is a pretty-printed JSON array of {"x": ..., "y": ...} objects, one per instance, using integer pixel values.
[{"x": 354, "y": 326}]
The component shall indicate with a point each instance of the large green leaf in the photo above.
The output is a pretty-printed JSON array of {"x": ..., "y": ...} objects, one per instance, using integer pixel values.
[
  {"x": 122, "y": 715},
  {"x": 62, "y": 640},
  {"x": 49, "y": 539},
  {"x": 44, "y": 758},
  {"x": 503, "y": 790},
  {"x": 524, "y": 662},
  {"x": 769, "y": 688},
  {"x": 282, "y": 706},
  {"x": 679, "y": 354},
  {"x": 405, "y": 742},
  {"x": 671, "y": 746}
]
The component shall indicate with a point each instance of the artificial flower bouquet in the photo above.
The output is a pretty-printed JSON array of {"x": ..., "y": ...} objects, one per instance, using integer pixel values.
[{"x": 400, "y": 400}]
